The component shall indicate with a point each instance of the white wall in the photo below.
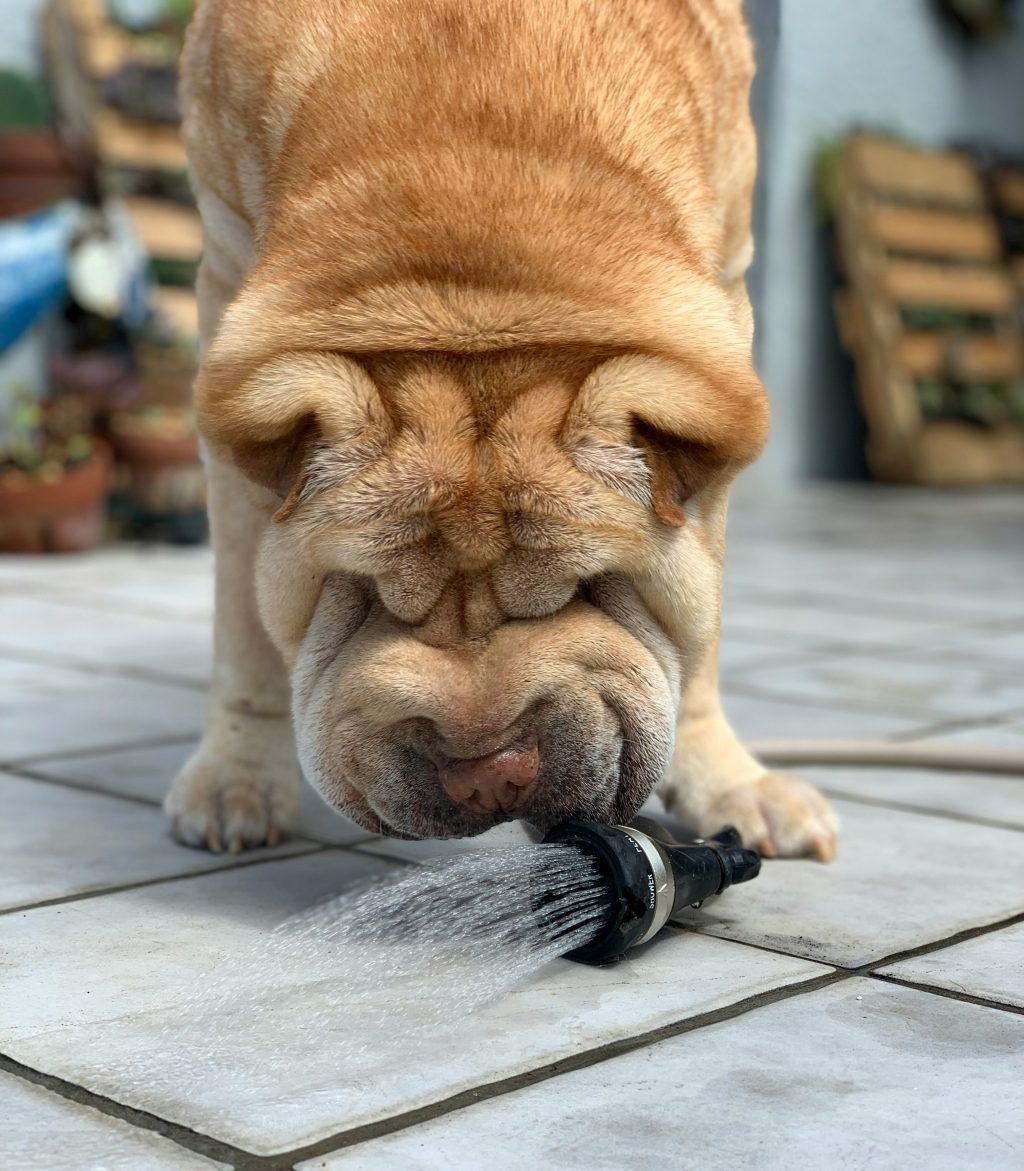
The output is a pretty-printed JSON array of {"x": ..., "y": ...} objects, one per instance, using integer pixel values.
[
  {"x": 19, "y": 43},
  {"x": 877, "y": 62}
]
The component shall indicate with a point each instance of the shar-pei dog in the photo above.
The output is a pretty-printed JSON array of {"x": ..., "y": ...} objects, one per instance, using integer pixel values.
[{"x": 475, "y": 379}]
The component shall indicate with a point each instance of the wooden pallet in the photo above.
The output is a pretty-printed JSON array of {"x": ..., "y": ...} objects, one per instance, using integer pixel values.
[{"x": 915, "y": 238}]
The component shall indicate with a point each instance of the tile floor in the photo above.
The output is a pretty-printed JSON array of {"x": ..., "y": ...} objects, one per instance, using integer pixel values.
[{"x": 860, "y": 1015}]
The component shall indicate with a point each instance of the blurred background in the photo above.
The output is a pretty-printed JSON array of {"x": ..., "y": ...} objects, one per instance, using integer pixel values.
[{"x": 887, "y": 286}]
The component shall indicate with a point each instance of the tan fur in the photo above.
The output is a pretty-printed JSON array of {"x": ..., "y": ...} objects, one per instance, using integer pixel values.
[{"x": 476, "y": 378}]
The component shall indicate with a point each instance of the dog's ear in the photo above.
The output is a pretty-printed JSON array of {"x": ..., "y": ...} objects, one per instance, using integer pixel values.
[
  {"x": 296, "y": 424},
  {"x": 658, "y": 431}
]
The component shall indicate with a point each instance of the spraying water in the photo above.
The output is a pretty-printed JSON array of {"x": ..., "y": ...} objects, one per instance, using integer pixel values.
[
  {"x": 351, "y": 1005},
  {"x": 373, "y": 977},
  {"x": 447, "y": 937}
]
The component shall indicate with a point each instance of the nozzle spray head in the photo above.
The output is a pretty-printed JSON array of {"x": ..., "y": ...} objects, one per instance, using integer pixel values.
[{"x": 650, "y": 877}]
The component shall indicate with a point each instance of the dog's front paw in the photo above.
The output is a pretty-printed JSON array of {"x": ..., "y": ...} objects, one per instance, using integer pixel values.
[
  {"x": 779, "y": 816},
  {"x": 223, "y": 802}
]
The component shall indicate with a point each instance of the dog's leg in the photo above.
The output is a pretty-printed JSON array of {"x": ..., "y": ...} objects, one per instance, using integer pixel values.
[
  {"x": 714, "y": 781},
  {"x": 240, "y": 787}
]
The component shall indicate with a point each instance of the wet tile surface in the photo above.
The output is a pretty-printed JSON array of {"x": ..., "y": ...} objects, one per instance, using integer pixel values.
[
  {"x": 40, "y": 1131},
  {"x": 990, "y": 967},
  {"x": 55, "y": 842},
  {"x": 94, "y": 1012},
  {"x": 858, "y": 1075},
  {"x": 901, "y": 880}
]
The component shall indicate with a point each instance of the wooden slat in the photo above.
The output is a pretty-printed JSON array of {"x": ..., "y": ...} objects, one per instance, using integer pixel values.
[
  {"x": 948, "y": 453},
  {"x": 167, "y": 230},
  {"x": 1009, "y": 188},
  {"x": 886, "y": 392},
  {"x": 965, "y": 290},
  {"x": 933, "y": 233},
  {"x": 925, "y": 354},
  {"x": 124, "y": 142},
  {"x": 931, "y": 177},
  {"x": 86, "y": 15},
  {"x": 105, "y": 51}
]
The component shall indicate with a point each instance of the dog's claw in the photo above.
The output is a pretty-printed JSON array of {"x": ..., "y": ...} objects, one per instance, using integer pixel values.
[{"x": 230, "y": 807}]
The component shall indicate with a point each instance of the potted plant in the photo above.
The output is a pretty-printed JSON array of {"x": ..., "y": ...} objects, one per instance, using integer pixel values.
[
  {"x": 162, "y": 491},
  {"x": 53, "y": 489},
  {"x": 36, "y": 169}
]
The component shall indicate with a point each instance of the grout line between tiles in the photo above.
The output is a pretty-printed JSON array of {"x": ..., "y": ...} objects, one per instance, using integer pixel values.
[
  {"x": 576, "y": 1061},
  {"x": 881, "y": 605},
  {"x": 871, "y": 966},
  {"x": 110, "y": 749},
  {"x": 192, "y": 1140},
  {"x": 906, "y": 807},
  {"x": 110, "y": 670},
  {"x": 948, "y": 993},
  {"x": 231, "y": 862},
  {"x": 247, "y": 1161},
  {"x": 603, "y": 1053},
  {"x": 30, "y": 774},
  {"x": 964, "y": 724},
  {"x": 745, "y": 690},
  {"x": 97, "y": 601}
]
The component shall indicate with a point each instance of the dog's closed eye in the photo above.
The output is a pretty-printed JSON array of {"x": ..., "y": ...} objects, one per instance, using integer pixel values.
[{"x": 616, "y": 465}]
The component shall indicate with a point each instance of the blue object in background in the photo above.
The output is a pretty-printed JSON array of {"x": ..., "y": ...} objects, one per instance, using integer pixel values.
[{"x": 33, "y": 268}]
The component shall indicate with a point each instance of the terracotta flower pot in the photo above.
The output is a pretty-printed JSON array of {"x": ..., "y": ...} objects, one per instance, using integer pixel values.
[
  {"x": 65, "y": 516},
  {"x": 33, "y": 152},
  {"x": 163, "y": 489},
  {"x": 142, "y": 448},
  {"x": 36, "y": 170}
]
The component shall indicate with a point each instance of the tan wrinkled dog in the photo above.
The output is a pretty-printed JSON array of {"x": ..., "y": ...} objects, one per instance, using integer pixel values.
[{"x": 476, "y": 378}]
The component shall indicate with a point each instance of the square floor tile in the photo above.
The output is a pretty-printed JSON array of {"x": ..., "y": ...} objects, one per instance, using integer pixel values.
[
  {"x": 148, "y": 591},
  {"x": 990, "y": 966},
  {"x": 48, "y": 709},
  {"x": 901, "y": 880},
  {"x": 799, "y": 623},
  {"x": 57, "y": 632},
  {"x": 109, "y": 563},
  {"x": 40, "y": 1131},
  {"x": 55, "y": 842},
  {"x": 146, "y": 773},
  {"x": 764, "y": 717},
  {"x": 151, "y": 584},
  {"x": 905, "y": 684},
  {"x": 980, "y": 795},
  {"x": 104, "y": 997},
  {"x": 857, "y": 1075}
]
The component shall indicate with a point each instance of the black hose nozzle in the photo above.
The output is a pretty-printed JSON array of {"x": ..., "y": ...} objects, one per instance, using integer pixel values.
[{"x": 651, "y": 877}]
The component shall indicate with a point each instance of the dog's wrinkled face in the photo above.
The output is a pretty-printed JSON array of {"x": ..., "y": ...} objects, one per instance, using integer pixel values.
[{"x": 489, "y": 589}]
